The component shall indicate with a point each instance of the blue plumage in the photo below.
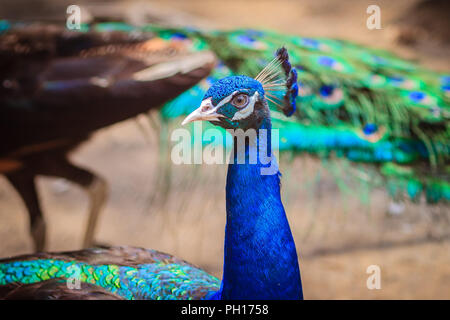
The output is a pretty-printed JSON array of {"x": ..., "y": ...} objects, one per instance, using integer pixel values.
[
  {"x": 226, "y": 86},
  {"x": 260, "y": 256},
  {"x": 370, "y": 128}
]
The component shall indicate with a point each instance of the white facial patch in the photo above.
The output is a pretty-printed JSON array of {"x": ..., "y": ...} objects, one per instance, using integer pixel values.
[
  {"x": 248, "y": 110},
  {"x": 211, "y": 111},
  {"x": 226, "y": 99}
]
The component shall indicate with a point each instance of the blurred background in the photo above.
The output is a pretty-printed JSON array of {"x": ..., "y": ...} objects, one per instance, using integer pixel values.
[{"x": 338, "y": 230}]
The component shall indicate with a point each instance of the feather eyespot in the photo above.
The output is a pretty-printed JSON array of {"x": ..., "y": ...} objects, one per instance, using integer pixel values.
[{"x": 240, "y": 101}]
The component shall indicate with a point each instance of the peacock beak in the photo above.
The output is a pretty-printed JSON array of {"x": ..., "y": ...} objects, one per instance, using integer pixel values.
[{"x": 206, "y": 112}]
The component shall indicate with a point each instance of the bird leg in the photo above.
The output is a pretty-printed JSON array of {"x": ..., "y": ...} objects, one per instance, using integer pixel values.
[
  {"x": 95, "y": 186},
  {"x": 98, "y": 191},
  {"x": 23, "y": 181}
]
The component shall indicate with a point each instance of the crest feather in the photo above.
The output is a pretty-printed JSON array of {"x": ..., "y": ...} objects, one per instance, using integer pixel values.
[{"x": 279, "y": 75}]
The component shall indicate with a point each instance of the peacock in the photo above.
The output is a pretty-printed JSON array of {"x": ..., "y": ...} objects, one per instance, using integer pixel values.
[
  {"x": 58, "y": 86},
  {"x": 260, "y": 257}
]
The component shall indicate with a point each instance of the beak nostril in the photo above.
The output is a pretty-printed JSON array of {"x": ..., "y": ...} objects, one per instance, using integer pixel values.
[{"x": 206, "y": 108}]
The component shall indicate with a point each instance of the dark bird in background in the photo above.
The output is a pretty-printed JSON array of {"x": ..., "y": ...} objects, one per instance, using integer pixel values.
[{"x": 58, "y": 86}]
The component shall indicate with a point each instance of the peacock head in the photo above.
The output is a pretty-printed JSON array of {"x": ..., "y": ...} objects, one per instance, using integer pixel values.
[{"x": 240, "y": 102}]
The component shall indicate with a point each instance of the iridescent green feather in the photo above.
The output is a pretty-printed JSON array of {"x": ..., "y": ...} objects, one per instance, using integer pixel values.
[
  {"x": 154, "y": 281},
  {"x": 343, "y": 89}
]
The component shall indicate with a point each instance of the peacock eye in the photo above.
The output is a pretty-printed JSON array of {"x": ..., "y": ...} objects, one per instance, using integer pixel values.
[{"x": 240, "y": 101}]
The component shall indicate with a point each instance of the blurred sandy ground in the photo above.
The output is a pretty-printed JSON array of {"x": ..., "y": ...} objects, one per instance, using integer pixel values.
[{"x": 338, "y": 235}]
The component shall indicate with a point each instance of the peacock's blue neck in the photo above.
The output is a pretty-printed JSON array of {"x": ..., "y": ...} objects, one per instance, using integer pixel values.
[{"x": 260, "y": 256}]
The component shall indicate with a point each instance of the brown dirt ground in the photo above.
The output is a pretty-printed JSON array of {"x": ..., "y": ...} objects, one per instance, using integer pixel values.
[{"x": 337, "y": 234}]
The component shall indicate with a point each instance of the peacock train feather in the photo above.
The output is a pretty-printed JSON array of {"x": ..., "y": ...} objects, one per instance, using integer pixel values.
[{"x": 365, "y": 105}]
